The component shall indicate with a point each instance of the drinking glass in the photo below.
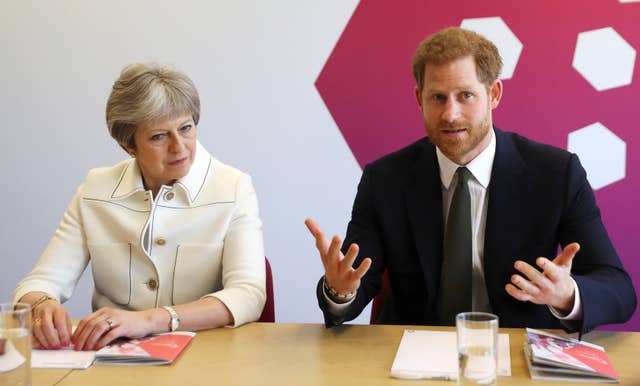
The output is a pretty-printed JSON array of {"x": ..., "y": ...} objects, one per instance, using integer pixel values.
[
  {"x": 477, "y": 334},
  {"x": 15, "y": 344}
]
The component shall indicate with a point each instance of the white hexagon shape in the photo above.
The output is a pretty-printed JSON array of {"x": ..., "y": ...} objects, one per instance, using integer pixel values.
[
  {"x": 496, "y": 30},
  {"x": 604, "y": 58},
  {"x": 602, "y": 153}
]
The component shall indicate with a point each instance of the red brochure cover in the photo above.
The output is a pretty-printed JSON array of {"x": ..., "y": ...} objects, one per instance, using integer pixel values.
[
  {"x": 150, "y": 350},
  {"x": 553, "y": 357}
]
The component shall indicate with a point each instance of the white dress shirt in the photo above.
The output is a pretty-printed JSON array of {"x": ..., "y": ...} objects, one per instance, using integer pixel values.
[{"x": 480, "y": 167}]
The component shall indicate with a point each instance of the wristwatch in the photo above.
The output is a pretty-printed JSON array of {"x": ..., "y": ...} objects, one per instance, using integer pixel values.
[{"x": 175, "y": 318}]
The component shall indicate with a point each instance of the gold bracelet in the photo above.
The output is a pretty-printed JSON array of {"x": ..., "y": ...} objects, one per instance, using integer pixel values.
[{"x": 42, "y": 299}]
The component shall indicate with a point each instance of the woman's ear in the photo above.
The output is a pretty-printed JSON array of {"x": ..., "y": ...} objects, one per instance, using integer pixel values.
[{"x": 131, "y": 151}]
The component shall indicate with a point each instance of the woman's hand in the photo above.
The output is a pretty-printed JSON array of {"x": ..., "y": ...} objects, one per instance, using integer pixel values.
[
  {"x": 51, "y": 328},
  {"x": 103, "y": 326}
]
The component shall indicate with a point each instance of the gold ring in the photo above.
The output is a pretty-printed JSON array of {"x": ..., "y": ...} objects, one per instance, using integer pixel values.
[
  {"x": 110, "y": 323},
  {"x": 37, "y": 321}
]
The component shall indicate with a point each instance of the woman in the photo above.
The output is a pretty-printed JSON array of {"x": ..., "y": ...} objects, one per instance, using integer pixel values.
[{"x": 173, "y": 235}]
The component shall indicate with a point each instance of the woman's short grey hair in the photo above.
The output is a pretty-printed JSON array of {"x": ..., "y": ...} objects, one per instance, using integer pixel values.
[{"x": 147, "y": 92}]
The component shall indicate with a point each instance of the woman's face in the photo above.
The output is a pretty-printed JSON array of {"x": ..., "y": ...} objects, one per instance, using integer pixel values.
[{"x": 165, "y": 149}]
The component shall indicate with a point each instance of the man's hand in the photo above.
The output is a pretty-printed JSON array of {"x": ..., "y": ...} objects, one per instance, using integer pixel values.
[
  {"x": 338, "y": 268},
  {"x": 552, "y": 286}
]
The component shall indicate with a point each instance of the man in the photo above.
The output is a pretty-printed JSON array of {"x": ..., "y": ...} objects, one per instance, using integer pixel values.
[{"x": 520, "y": 201}]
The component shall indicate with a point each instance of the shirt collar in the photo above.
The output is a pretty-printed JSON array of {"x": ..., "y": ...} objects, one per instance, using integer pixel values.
[
  {"x": 480, "y": 166},
  {"x": 194, "y": 180},
  {"x": 131, "y": 179}
]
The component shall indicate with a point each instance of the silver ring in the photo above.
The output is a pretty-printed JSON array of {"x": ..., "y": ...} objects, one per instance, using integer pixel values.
[{"x": 110, "y": 323}]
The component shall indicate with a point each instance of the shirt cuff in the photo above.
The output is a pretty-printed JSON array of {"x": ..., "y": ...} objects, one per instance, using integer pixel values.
[
  {"x": 336, "y": 309},
  {"x": 576, "y": 311}
]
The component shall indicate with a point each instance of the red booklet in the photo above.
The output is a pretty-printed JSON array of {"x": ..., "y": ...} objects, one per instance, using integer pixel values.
[
  {"x": 556, "y": 358},
  {"x": 159, "y": 349}
]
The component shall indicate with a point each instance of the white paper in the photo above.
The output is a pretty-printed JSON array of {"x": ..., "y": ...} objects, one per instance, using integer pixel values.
[
  {"x": 434, "y": 355},
  {"x": 64, "y": 358},
  {"x": 11, "y": 358}
]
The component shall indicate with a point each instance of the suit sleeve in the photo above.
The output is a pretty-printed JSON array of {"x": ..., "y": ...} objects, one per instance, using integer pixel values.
[
  {"x": 606, "y": 290},
  {"x": 363, "y": 230}
]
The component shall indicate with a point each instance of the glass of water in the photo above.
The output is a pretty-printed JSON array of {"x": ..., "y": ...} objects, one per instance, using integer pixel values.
[
  {"x": 477, "y": 334},
  {"x": 15, "y": 344}
]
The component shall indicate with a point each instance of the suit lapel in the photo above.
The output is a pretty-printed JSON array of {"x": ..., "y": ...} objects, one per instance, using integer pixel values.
[
  {"x": 507, "y": 188},
  {"x": 423, "y": 194}
]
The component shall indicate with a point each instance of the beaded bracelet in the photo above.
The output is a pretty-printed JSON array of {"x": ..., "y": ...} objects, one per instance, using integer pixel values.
[
  {"x": 42, "y": 299},
  {"x": 335, "y": 295}
]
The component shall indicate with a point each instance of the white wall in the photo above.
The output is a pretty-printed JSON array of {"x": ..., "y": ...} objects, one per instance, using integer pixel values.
[{"x": 254, "y": 63}]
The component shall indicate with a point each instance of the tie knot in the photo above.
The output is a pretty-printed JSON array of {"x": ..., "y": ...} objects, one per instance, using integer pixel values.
[{"x": 463, "y": 175}]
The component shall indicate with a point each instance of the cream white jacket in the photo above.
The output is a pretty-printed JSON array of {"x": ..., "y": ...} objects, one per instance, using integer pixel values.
[{"x": 200, "y": 237}]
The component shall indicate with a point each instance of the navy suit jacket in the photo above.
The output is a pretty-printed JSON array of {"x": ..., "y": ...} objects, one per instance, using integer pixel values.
[{"x": 539, "y": 199}]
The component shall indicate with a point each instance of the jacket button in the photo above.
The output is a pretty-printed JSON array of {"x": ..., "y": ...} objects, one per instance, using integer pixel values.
[
  {"x": 152, "y": 284},
  {"x": 161, "y": 241},
  {"x": 169, "y": 196}
]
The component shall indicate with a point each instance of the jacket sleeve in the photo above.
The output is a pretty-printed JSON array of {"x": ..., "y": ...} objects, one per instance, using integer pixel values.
[
  {"x": 243, "y": 266},
  {"x": 63, "y": 261},
  {"x": 606, "y": 290}
]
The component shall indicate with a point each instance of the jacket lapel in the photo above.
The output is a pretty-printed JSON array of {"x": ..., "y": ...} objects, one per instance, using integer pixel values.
[
  {"x": 424, "y": 207},
  {"x": 507, "y": 189}
]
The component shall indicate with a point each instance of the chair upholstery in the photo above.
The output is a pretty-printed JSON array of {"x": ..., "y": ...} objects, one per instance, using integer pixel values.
[
  {"x": 268, "y": 312},
  {"x": 378, "y": 301}
]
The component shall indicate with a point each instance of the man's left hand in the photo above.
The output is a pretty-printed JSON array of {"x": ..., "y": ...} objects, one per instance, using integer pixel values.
[{"x": 553, "y": 286}]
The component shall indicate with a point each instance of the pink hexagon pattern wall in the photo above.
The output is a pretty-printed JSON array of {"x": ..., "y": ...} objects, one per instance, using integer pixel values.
[{"x": 570, "y": 79}]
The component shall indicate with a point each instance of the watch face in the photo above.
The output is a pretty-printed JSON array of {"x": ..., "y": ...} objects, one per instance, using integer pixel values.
[{"x": 175, "y": 322}]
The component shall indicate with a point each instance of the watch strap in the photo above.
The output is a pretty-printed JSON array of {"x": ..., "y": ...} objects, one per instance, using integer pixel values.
[{"x": 174, "y": 323}]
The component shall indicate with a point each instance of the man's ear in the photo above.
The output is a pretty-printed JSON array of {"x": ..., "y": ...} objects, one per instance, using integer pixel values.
[
  {"x": 495, "y": 93},
  {"x": 418, "y": 96}
]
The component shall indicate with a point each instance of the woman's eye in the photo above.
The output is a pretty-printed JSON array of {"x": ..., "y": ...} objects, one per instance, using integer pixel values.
[
  {"x": 185, "y": 128},
  {"x": 157, "y": 137}
]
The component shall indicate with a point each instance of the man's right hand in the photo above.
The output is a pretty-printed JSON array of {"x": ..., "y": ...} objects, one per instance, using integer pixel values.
[{"x": 339, "y": 273}]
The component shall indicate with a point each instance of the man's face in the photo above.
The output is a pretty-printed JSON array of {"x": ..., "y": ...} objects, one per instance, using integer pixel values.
[{"x": 456, "y": 108}]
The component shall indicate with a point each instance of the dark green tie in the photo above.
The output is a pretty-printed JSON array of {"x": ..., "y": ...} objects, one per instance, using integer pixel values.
[{"x": 455, "y": 277}]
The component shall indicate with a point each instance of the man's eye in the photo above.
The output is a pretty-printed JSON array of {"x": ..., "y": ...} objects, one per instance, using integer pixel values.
[
  {"x": 438, "y": 97},
  {"x": 467, "y": 95}
]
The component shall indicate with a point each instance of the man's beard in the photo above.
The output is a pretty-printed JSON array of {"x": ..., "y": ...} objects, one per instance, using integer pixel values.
[{"x": 457, "y": 147}]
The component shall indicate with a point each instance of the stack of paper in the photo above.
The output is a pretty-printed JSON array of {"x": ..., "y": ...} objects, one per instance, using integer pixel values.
[
  {"x": 434, "y": 355},
  {"x": 555, "y": 358},
  {"x": 156, "y": 349},
  {"x": 160, "y": 349}
]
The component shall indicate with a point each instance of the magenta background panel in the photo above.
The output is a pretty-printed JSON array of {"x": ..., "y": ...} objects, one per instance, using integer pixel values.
[{"x": 368, "y": 87}]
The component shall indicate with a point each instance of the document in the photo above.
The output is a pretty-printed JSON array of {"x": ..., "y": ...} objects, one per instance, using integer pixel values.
[
  {"x": 552, "y": 357},
  {"x": 11, "y": 357},
  {"x": 65, "y": 358},
  {"x": 424, "y": 354},
  {"x": 158, "y": 349}
]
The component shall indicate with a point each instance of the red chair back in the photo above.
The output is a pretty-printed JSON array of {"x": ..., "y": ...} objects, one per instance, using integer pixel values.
[
  {"x": 380, "y": 299},
  {"x": 268, "y": 312}
]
